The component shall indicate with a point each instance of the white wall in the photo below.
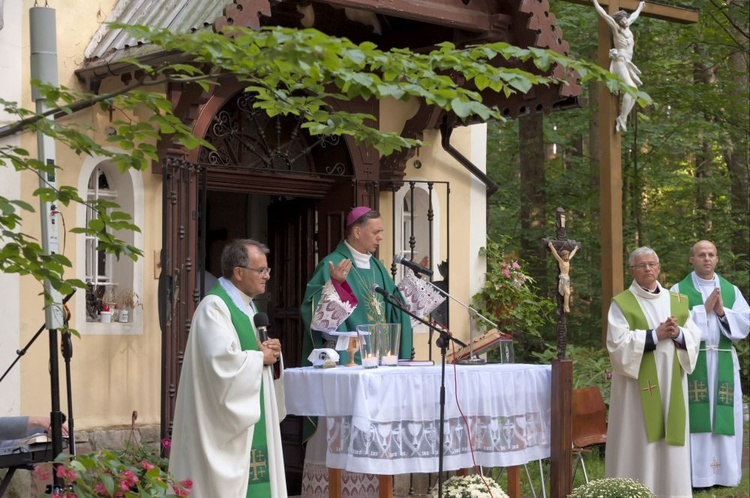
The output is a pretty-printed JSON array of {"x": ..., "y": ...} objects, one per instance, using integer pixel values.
[{"x": 10, "y": 187}]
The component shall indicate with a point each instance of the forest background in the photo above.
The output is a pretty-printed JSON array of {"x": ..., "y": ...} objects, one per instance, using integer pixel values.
[{"x": 684, "y": 167}]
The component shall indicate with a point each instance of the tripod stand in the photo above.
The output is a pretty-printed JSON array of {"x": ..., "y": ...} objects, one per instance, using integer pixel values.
[{"x": 57, "y": 418}]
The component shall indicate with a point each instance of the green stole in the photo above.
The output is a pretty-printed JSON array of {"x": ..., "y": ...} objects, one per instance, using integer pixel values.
[
  {"x": 258, "y": 482},
  {"x": 648, "y": 380},
  {"x": 700, "y": 411}
]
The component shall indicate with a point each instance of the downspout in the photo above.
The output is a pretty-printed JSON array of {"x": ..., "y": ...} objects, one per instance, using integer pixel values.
[{"x": 446, "y": 131}]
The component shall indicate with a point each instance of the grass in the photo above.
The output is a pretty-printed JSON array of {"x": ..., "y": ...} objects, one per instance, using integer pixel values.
[{"x": 595, "y": 470}]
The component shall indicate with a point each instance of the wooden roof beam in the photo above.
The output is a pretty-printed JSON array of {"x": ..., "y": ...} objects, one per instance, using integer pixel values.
[
  {"x": 474, "y": 17},
  {"x": 680, "y": 15}
]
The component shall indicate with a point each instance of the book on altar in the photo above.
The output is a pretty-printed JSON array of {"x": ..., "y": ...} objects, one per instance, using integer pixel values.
[
  {"x": 478, "y": 346},
  {"x": 415, "y": 363}
]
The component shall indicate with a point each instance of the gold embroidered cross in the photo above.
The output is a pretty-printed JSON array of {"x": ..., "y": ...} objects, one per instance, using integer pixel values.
[
  {"x": 726, "y": 394},
  {"x": 698, "y": 391},
  {"x": 258, "y": 465},
  {"x": 715, "y": 464},
  {"x": 650, "y": 388}
]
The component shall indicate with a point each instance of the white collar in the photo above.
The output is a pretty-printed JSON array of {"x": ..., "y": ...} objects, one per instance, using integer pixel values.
[
  {"x": 361, "y": 260},
  {"x": 239, "y": 298}
]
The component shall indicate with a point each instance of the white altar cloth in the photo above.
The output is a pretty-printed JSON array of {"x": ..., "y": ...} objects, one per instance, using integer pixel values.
[{"x": 386, "y": 420}]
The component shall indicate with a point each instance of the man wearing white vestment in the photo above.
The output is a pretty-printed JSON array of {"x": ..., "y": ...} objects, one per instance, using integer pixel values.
[
  {"x": 715, "y": 396},
  {"x": 652, "y": 344},
  {"x": 226, "y": 435}
]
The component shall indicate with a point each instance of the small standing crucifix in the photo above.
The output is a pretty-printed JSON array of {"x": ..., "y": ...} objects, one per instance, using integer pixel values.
[{"x": 563, "y": 250}]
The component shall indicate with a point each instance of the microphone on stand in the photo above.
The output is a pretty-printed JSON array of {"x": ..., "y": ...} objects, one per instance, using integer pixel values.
[
  {"x": 261, "y": 324},
  {"x": 417, "y": 269},
  {"x": 379, "y": 290}
]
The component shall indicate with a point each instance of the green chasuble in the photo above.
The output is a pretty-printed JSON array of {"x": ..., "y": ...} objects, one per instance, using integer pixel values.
[
  {"x": 258, "y": 484},
  {"x": 700, "y": 411},
  {"x": 648, "y": 380},
  {"x": 361, "y": 281}
]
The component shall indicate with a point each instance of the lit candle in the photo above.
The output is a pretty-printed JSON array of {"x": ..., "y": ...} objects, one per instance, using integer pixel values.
[
  {"x": 390, "y": 360},
  {"x": 370, "y": 362}
]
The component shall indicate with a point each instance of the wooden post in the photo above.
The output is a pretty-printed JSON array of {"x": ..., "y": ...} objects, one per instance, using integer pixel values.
[
  {"x": 610, "y": 173},
  {"x": 561, "y": 437}
]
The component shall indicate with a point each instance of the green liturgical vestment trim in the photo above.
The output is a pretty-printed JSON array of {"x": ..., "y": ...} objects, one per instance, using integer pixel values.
[
  {"x": 700, "y": 411},
  {"x": 648, "y": 380}
]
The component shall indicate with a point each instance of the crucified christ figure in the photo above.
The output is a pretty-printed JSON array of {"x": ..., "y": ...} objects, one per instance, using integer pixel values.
[
  {"x": 563, "y": 261},
  {"x": 621, "y": 56}
]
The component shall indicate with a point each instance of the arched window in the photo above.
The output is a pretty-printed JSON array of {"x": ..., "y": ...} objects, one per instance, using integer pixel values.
[{"x": 114, "y": 285}]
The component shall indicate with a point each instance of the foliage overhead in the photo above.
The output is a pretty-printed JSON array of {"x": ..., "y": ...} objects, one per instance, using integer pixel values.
[{"x": 290, "y": 72}]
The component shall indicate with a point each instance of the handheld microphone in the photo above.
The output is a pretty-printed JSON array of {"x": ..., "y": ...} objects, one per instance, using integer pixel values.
[
  {"x": 261, "y": 324},
  {"x": 417, "y": 269}
]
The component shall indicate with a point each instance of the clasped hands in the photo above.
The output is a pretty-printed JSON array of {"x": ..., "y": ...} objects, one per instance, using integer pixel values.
[
  {"x": 668, "y": 329},
  {"x": 271, "y": 350},
  {"x": 714, "y": 302}
]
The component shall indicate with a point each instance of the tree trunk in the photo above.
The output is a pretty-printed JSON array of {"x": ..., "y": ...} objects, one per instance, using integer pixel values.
[
  {"x": 533, "y": 196},
  {"x": 736, "y": 152}
]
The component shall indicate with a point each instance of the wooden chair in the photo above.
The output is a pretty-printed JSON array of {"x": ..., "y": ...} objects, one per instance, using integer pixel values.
[{"x": 589, "y": 424}]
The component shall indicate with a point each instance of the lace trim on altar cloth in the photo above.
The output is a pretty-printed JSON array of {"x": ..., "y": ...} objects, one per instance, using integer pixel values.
[
  {"x": 419, "y": 296},
  {"x": 331, "y": 311},
  {"x": 315, "y": 483}
]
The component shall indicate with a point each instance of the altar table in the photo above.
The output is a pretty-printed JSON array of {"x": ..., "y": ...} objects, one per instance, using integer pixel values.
[{"x": 386, "y": 420}]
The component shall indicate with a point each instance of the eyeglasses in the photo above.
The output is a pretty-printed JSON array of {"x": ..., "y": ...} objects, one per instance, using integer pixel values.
[
  {"x": 259, "y": 271},
  {"x": 643, "y": 266}
]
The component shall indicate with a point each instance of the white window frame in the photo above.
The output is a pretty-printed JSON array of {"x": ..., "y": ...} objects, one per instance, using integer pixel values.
[{"x": 129, "y": 192}]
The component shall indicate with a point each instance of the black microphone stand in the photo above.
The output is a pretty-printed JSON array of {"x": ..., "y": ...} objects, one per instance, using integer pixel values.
[{"x": 442, "y": 342}]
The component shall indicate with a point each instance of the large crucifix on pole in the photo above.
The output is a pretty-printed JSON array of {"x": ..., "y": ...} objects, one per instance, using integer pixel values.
[{"x": 610, "y": 159}]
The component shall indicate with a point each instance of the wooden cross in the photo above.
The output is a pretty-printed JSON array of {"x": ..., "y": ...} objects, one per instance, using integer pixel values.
[
  {"x": 698, "y": 391},
  {"x": 650, "y": 388},
  {"x": 560, "y": 243},
  {"x": 610, "y": 160}
]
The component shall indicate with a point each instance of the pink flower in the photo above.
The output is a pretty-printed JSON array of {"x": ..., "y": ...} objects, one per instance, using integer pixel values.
[
  {"x": 100, "y": 489},
  {"x": 506, "y": 272},
  {"x": 516, "y": 266},
  {"x": 42, "y": 473},
  {"x": 183, "y": 488},
  {"x": 166, "y": 443},
  {"x": 63, "y": 472},
  {"x": 146, "y": 465}
]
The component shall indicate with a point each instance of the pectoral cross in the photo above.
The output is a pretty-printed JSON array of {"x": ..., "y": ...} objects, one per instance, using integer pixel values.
[{"x": 559, "y": 243}]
